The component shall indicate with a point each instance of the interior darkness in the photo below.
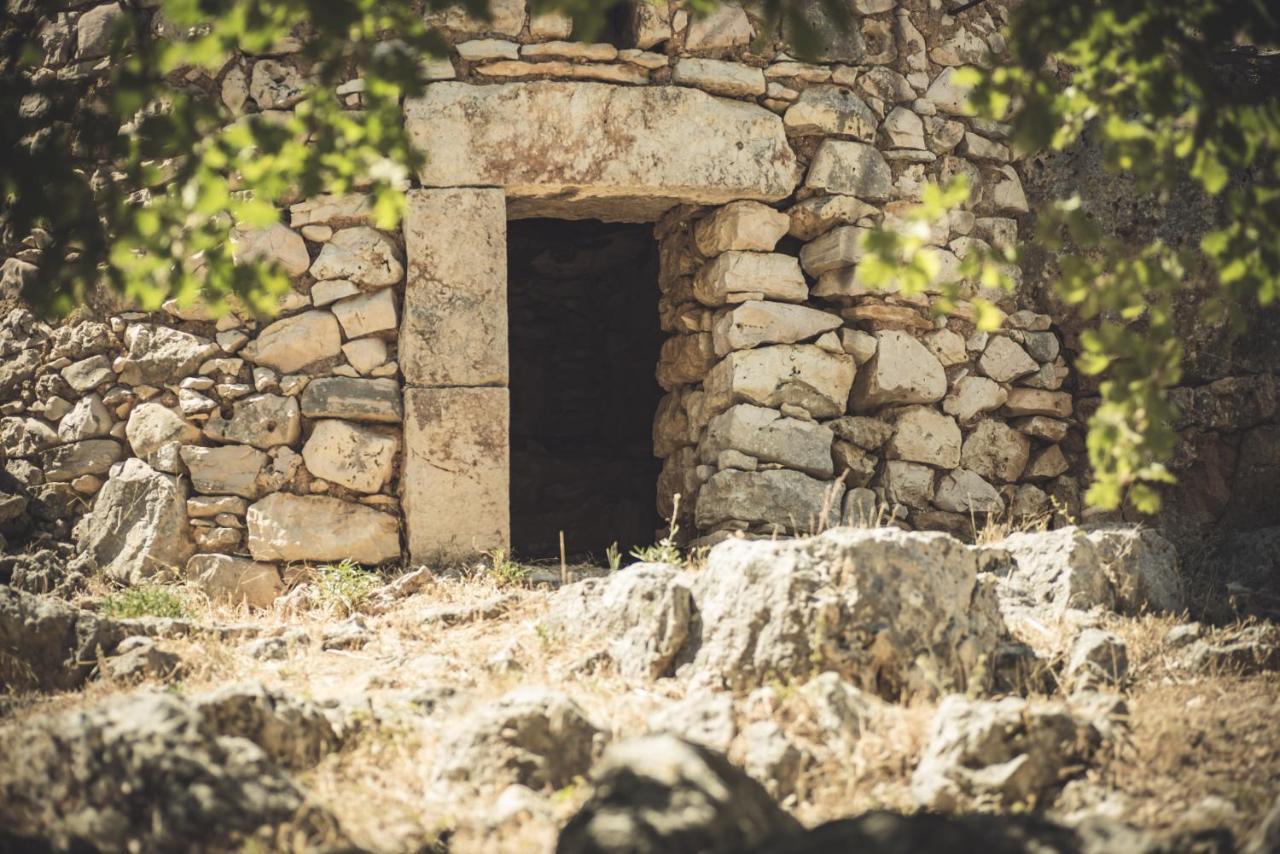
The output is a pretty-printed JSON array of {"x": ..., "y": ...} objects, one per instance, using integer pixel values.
[{"x": 583, "y": 298}]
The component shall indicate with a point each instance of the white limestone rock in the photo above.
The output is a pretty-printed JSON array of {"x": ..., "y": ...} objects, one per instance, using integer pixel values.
[
  {"x": 757, "y": 322},
  {"x": 726, "y": 26},
  {"x": 1004, "y": 361},
  {"x": 909, "y": 484},
  {"x": 362, "y": 255},
  {"x": 285, "y": 527},
  {"x": 159, "y": 355},
  {"x": 294, "y": 343},
  {"x": 948, "y": 95},
  {"x": 828, "y": 110},
  {"x": 138, "y": 527},
  {"x": 922, "y": 434},
  {"x": 973, "y": 396},
  {"x": 778, "y": 500},
  {"x": 226, "y": 470},
  {"x": 851, "y": 168},
  {"x": 718, "y": 77},
  {"x": 903, "y": 129},
  {"x": 902, "y": 371},
  {"x": 963, "y": 491},
  {"x": 769, "y": 437},
  {"x": 996, "y": 451},
  {"x": 274, "y": 244},
  {"x": 746, "y": 225},
  {"x": 359, "y": 458},
  {"x": 235, "y": 580},
  {"x": 768, "y": 275},
  {"x": 88, "y": 419},
  {"x": 799, "y": 374},
  {"x": 367, "y": 313},
  {"x": 813, "y": 217},
  {"x": 839, "y": 248},
  {"x": 262, "y": 420},
  {"x": 153, "y": 425}
]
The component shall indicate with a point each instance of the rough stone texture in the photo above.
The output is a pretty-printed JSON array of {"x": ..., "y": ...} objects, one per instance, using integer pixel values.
[
  {"x": 902, "y": 371},
  {"x": 1143, "y": 568},
  {"x": 801, "y": 375},
  {"x": 231, "y": 469},
  {"x": 158, "y": 354},
  {"x": 764, "y": 274},
  {"x": 776, "y": 610},
  {"x": 261, "y": 420},
  {"x": 745, "y": 226},
  {"x": 731, "y": 79},
  {"x": 972, "y": 396},
  {"x": 276, "y": 244},
  {"x": 454, "y": 330},
  {"x": 766, "y": 435},
  {"x": 532, "y": 736},
  {"x": 366, "y": 314},
  {"x": 294, "y": 343},
  {"x": 138, "y": 527},
  {"x": 362, "y": 255},
  {"x": 963, "y": 491},
  {"x": 455, "y": 478},
  {"x": 55, "y": 645},
  {"x": 578, "y": 143},
  {"x": 663, "y": 795},
  {"x": 374, "y": 400},
  {"x": 319, "y": 528},
  {"x": 1005, "y": 750},
  {"x": 850, "y": 168},
  {"x": 1004, "y": 361},
  {"x": 235, "y": 580},
  {"x": 757, "y": 322},
  {"x": 293, "y": 732},
  {"x": 146, "y": 771},
  {"x": 996, "y": 451},
  {"x": 641, "y": 616},
  {"x": 1059, "y": 568},
  {"x": 358, "y": 458},
  {"x": 91, "y": 456},
  {"x": 922, "y": 434},
  {"x": 777, "y": 500}
]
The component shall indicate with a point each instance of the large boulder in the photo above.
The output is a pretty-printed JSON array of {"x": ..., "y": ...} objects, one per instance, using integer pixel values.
[
  {"x": 586, "y": 149},
  {"x": 532, "y": 736},
  {"x": 147, "y": 772},
  {"x": 894, "y": 612},
  {"x": 663, "y": 795},
  {"x": 640, "y": 617},
  {"x": 138, "y": 527},
  {"x": 48, "y": 645},
  {"x": 294, "y": 733}
]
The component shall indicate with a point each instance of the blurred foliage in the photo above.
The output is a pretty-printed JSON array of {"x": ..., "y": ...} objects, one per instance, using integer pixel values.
[{"x": 1157, "y": 84}]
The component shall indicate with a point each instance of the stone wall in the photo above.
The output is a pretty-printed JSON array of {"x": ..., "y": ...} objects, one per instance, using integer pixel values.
[{"x": 793, "y": 393}]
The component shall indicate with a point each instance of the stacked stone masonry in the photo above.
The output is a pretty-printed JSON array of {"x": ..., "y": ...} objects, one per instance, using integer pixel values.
[{"x": 796, "y": 395}]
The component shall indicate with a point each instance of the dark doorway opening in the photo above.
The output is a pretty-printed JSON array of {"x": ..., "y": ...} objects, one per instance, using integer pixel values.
[{"x": 583, "y": 302}]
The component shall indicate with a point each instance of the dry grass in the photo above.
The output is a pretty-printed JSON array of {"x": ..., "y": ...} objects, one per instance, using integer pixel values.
[{"x": 1189, "y": 738}]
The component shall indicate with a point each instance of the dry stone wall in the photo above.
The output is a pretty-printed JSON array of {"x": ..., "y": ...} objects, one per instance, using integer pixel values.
[{"x": 796, "y": 396}]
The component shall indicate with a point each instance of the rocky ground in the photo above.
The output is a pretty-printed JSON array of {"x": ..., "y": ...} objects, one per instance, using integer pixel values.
[{"x": 868, "y": 690}]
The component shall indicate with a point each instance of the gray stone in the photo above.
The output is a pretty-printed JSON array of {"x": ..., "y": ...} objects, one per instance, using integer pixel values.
[
  {"x": 89, "y": 418},
  {"x": 293, "y": 732},
  {"x": 1143, "y": 568},
  {"x": 996, "y": 451},
  {"x": 663, "y": 795},
  {"x": 1098, "y": 659},
  {"x": 910, "y": 484},
  {"x": 797, "y": 374},
  {"x": 362, "y": 255},
  {"x": 54, "y": 645},
  {"x": 570, "y": 145},
  {"x": 1004, "y": 361},
  {"x": 261, "y": 420},
  {"x": 1060, "y": 568},
  {"x": 768, "y": 275},
  {"x": 902, "y": 371},
  {"x": 138, "y": 527},
  {"x": 91, "y": 456},
  {"x": 231, "y": 469},
  {"x": 922, "y": 434},
  {"x": 159, "y": 355},
  {"x": 286, "y": 527},
  {"x": 778, "y": 499},
  {"x": 718, "y": 77},
  {"x": 963, "y": 491},
  {"x": 838, "y": 249},
  {"x": 756, "y": 322},
  {"x": 96, "y": 28},
  {"x": 702, "y": 717},
  {"x": 826, "y": 110},
  {"x": 743, "y": 226},
  {"x": 359, "y": 458},
  {"x": 140, "y": 658},
  {"x": 275, "y": 85},
  {"x": 88, "y": 374},
  {"x": 295, "y": 343},
  {"x": 769, "y": 437},
  {"x": 151, "y": 426},
  {"x": 353, "y": 399},
  {"x": 850, "y": 168},
  {"x": 867, "y": 433}
]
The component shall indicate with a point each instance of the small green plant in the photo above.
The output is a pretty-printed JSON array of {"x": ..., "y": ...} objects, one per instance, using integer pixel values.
[
  {"x": 345, "y": 585},
  {"x": 504, "y": 569},
  {"x": 614, "y": 556},
  {"x": 147, "y": 600},
  {"x": 664, "y": 550}
]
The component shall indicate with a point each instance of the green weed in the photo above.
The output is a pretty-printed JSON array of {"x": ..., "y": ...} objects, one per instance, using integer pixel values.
[{"x": 146, "y": 600}]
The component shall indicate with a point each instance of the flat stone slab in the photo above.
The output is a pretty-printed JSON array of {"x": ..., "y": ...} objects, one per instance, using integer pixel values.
[{"x": 595, "y": 150}]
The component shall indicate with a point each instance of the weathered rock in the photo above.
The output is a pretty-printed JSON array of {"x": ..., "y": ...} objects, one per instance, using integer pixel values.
[
  {"x": 947, "y": 95},
  {"x": 641, "y": 616},
  {"x": 506, "y": 18},
  {"x": 146, "y": 771},
  {"x": 866, "y": 433},
  {"x": 1060, "y": 568},
  {"x": 854, "y": 464},
  {"x": 718, "y": 77},
  {"x": 742, "y": 226},
  {"x": 1030, "y": 401},
  {"x": 362, "y": 255},
  {"x": 275, "y": 85},
  {"x": 140, "y": 658},
  {"x": 801, "y": 375},
  {"x": 359, "y": 458},
  {"x": 922, "y": 434},
  {"x": 87, "y": 419},
  {"x": 827, "y": 110},
  {"x": 726, "y": 27},
  {"x": 152, "y": 426},
  {"x": 261, "y": 420},
  {"x": 766, "y": 435},
  {"x": 47, "y": 644},
  {"x": 902, "y": 371},
  {"x": 376, "y": 400},
  {"x": 1004, "y": 361},
  {"x": 367, "y": 314},
  {"x": 909, "y": 484},
  {"x": 777, "y": 499},
  {"x": 1047, "y": 464},
  {"x": 766, "y": 274},
  {"x": 25, "y": 437},
  {"x": 662, "y": 795},
  {"x": 685, "y": 359},
  {"x": 531, "y": 736},
  {"x": 138, "y": 527},
  {"x": 276, "y": 244},
  {"x": 159, "y": 355},
  {"x": 836, "y": 251},
  {"x": 963, "y": 491},
  {"x": 813, "y": 217},
  {"x": 850, "y": 168},
  {"x": 294, "y": 343},
  {"x": 702, "y": 717},
  {"x": 1005, "y": 750},
  {"x": 316, "y": 527},
  {"x": 972, "y": 396},
  {"x": 92, "y": 456},
  {"x": 1098, "y": 659},
  {"x": 777, "y": 610},
  {"x": 903, "y": 129},
  {"x": 996, "y": 451},
  {"x": 235, "y": 580},
  {"x": 1143, "y": 568},
  {"x": 756, "y": 322},
  {"x": 88, "y": 374},
  {"x": 96, "y": 29},
  {"x": 559, "y": 148},
  {"x": 292, "y": 731},
  {"x": 231, "y": 469}
]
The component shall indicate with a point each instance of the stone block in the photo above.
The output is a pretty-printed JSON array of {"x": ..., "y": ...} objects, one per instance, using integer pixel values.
[
  {"x": 769, "y": 437},
  {"x": 851, "y": 168},
  {"x": 235, "y": 580},
  {"x": 454, "y": 329},
  {"x": 359, "y": 458},
  {"x": 764, "y": 274},
  {"x": 922, "y": 434},
  {"x": 902, "y": 371},
  {"x": 367, "y": 313},
  {"x": 228, "y": 470},
  {"x": 718, "y": 77},
  {"x": 362, "y": 255},
  {"x": 354, "y": 399},
  {"x": 749, "y": 226},
  {"x": 455, "y": 479},
  {"x": 758, "y": 322},
  {"x": 781, "y": 499},
  {"x": 800, "y": 374},
  {"x": 284, "y": 527},
  {"x": 291, "y": 344}
]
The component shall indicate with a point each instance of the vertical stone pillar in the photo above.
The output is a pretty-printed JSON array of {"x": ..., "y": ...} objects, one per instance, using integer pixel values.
[{"x": 453, "y": 352}]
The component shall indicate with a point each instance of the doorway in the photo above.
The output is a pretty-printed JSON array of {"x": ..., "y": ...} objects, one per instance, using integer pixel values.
[{"x": 584, "y": 339}]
